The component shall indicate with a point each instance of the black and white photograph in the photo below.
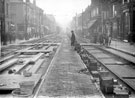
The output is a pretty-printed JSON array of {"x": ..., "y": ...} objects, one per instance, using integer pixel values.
[{"x": 67, "y": 48}]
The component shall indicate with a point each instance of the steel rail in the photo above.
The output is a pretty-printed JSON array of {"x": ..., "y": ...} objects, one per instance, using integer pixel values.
[
  {"x": 127, "y": 84},
  {"x": 45, "y": 75}
]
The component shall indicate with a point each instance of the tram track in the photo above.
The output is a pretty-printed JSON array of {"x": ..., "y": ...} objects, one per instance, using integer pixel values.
[
  {"x": 33, "y": 59},
  {"x": 11, "y": 49},
  {"x": 45, "y": 74},
  {"x": 120, "y": 68},
  {"x": 25, "y": 57},
  {"x": 38, "y": 58}
]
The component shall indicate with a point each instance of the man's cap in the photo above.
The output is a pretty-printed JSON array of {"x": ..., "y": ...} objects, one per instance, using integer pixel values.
[{"x": 72, "y": 31}]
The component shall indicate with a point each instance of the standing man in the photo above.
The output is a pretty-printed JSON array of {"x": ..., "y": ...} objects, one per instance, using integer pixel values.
[
  {"x": 72, "y": 38},
  {"x": 109, "y": 35}
]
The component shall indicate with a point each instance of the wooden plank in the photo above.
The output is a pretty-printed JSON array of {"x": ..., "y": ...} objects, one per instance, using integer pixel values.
[
  {"x": 122, "y": 70},
  {"x": 102, "y": 55},
  {"x": 36, "y": 66},
  {"x": 26, "y": 44},
  {"x": 45, "y": 47},
  {"x": 28, "y": 48},
  {"x": 123, "y": 55},
  {"x": 52, "y": 44},
  {"x": 33, "y": 51},
  {"x": 95, "y": 51},
  {"x": 50, "y": 48},
  {"x": 25, "y": 56},
  {"x": 30, "y": 60},
  {"x": 8, "y": 64},
  {"x": 89, "y": 48},
  {"x": 18, "y": 69},
  {"x": 11, "y": 82},
  {"x": 110, "y": 61},
  {"x": 6, "y": 58},
  {"x": 36, "y": 57},
  {"x": 47, "y": 43}
]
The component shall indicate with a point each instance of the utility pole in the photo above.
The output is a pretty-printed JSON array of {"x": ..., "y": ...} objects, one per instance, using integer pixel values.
[
  {"x": 3, "y": 38},
  {"x": 26, "y": 20},
  {"x": 35, "y": 25},
  {"x": 82, "y": 23},
  {"x": 2, "y": 24},
  {"x": 102, "y": 17}
]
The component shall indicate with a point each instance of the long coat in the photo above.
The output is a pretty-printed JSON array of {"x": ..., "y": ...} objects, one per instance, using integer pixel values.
[{"x": 72, "y": 39}]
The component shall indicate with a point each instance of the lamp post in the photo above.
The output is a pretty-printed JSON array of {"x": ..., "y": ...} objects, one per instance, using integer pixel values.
[{"x": 82, "y": 23}]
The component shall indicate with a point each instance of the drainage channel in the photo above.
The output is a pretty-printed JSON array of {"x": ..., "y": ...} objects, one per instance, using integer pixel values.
[
  {"x": 113, "y": 74},
  {"x": 21, "y": 74}
]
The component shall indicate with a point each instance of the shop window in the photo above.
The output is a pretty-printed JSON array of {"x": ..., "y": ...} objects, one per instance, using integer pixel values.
[{"x": 126, "y": 24}]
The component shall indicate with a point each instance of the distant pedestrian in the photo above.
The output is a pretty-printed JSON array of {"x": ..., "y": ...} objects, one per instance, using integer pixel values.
[
  {"x": 106, "y": 39},
  {"x": 107, "y": 35},
  {"x": 101, "y": 40},
  {"x": 73, "y": 38},
  {"x": 130, "y": 38},
  {"x": 95, "y": 37}
]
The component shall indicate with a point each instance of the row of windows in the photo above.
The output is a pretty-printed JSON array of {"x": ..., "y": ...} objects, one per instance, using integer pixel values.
[
  {"x": 125, "y": 1},
  {"x": 95, "y": 12},
  {"x": 114, "y": 12}
]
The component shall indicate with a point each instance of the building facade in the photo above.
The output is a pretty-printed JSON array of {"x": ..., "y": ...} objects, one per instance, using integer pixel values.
[
  {"x": 114, "y": 16},
  {"x": 22, "y": 19},
  {"x": 4, "y": 20},
  {"x": 128, "y": 15},
  {"x": 27, "y": 18}
]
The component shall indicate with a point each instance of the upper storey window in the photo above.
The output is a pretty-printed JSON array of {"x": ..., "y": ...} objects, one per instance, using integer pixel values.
[{"x": 125, "y": 1}]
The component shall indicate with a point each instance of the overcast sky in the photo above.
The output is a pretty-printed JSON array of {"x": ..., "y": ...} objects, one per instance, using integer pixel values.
[{"x": 63, "y": 10}]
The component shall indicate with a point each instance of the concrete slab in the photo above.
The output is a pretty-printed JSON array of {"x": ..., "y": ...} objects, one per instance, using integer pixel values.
[
  {"x": 7, "y": 64},
  {"x": 11, "y": 82}
]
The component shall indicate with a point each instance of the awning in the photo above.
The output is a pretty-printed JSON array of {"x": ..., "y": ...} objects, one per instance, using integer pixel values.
[
  {"x": 46, "y": 27},
  {"x": 91, "y": 23}
]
